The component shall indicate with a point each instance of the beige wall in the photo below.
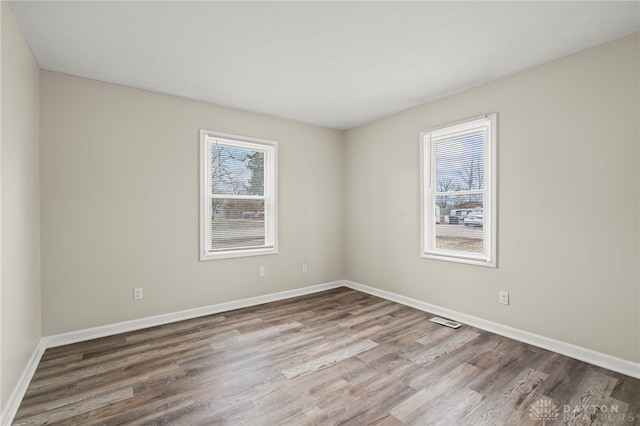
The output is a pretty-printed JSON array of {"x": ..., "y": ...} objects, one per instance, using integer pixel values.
[
  {"x": 20, "y": 255},
  {"x": 568, "y": 204},
  {"x": 119, "y": 185}
]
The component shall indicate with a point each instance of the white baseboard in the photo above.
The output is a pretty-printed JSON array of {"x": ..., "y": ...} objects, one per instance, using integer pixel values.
[
  {"x": 600, "y": 359},
  {"x": 13, "y": 403},
  {"x": 138, "y": 324}
]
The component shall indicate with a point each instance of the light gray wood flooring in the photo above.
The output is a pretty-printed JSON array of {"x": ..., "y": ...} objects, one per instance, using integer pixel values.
[{"x": 336, "y": 357}]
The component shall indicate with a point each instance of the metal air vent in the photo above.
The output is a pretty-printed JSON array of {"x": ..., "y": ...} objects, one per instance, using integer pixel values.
[{"x": 446, "y": 322}]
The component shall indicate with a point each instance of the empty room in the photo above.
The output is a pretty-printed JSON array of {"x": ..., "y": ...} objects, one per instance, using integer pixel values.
[{"x": 316, "y": 213}]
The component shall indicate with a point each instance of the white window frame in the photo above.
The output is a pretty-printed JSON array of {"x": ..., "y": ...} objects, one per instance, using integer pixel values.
[
  {"x": 428, "y": 191},
  {"x": 270, "y": 149}
]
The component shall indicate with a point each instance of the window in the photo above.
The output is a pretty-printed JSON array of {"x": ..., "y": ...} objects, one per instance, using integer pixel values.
[
  {"x": 238, "y": 181},
  {"x": 458, "y": 168}
]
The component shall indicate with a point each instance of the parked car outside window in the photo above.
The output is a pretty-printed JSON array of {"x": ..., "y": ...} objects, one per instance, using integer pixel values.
[{"x": 473, "y": 219}]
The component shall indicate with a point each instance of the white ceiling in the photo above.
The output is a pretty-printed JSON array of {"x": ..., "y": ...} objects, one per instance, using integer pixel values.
[{"x": 333, "y": 64}]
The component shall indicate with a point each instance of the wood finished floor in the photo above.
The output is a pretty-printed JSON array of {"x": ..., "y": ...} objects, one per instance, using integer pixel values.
[{"x": 336, "y": 357}]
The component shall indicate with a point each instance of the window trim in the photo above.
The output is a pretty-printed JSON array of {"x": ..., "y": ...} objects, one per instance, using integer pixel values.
[
  {"x": 271, "y": 190},
  {"x": 427, "y": 200}
]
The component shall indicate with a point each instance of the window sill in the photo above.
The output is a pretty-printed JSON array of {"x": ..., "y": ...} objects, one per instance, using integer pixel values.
[
  {"x": 460, "y": 259},
  {"x": 238, "y": 253}
]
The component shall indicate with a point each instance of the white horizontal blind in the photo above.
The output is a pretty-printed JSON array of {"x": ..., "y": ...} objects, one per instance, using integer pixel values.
[
  {"x": 239, "y": 213},
  {"x": 458, "y": 198}
]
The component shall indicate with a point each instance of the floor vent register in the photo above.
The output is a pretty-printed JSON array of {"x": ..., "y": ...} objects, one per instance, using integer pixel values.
[{"x": 445, "y": 322}]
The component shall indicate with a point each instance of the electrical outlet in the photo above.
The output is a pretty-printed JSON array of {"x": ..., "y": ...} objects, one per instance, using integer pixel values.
[
  {"x": 504, "y": 297},
  {"x": 137, "y": 293},
  {"x": 261, "y": 271},
  {"x": 304, "y": 268}
]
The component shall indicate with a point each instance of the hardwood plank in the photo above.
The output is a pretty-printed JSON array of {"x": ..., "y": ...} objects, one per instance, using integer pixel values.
[
  {"x": 496, "y": 409},
  {"x": 329, "y": 359},
  {"x": 451, "y": 344},
  {"x": 589, "y": 400},
  {"x": 63, "y": 411},
  {"x": 426, "y": 403}
]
